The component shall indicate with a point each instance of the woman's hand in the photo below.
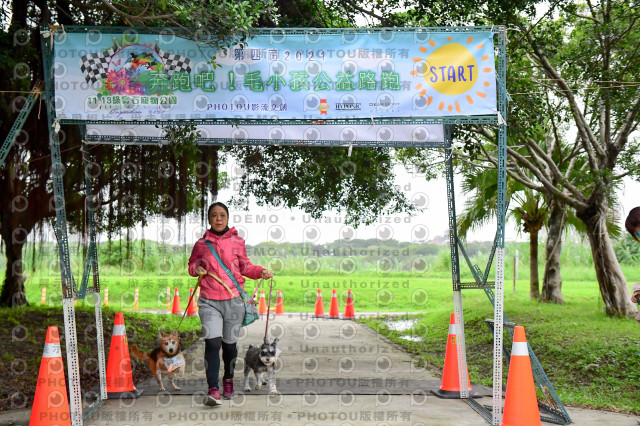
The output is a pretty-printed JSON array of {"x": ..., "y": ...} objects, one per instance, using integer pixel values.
[
  {"x": 201, "y": 271},
  {"x": 635, "y": 298},
  {"x": 266, "y": 274}
]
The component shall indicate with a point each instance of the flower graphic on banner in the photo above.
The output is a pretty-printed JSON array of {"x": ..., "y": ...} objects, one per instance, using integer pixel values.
[
  {"x": 455, "y": 70},
  {"x": 136, "y": 69},
  {"x": 118, "y": 82}
]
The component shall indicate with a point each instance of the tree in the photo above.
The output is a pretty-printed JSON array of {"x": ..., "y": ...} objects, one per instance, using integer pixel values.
[
  {"x": 589, "y": 84},
  {"x": 605, "y": 118},
  {"x": 125, "y": 198},
  {"x": 528, "y": 210},
  {"x": 532, "y": 214},
  {"x": 556, "y": 81},
  {"x": 362, "y": 184}
]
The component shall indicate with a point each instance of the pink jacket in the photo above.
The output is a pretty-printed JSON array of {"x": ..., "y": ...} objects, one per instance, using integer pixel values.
[{"x": 232, "y": 252}]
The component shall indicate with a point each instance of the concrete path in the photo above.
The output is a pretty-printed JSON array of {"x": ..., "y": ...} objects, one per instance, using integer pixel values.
[{"x": 330, "y": 372}]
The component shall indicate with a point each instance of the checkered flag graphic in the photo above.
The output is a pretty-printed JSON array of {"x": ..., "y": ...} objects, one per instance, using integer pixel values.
[
  {"x": 94, "y": 65},
  {"x": 173, "y": 63}
]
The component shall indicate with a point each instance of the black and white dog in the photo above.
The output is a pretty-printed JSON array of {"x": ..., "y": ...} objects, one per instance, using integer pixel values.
[{"x": 261, "y": 360}]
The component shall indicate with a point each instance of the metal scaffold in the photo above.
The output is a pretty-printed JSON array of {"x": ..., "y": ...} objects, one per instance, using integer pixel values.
[{"x": 494, "y": 289}]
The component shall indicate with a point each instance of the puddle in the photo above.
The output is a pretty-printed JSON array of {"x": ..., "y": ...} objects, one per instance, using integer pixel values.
[
  {"x": 401, "y": 325},
  {"x": 405, "y": 325},
  {"x": 411, "y": 338}
]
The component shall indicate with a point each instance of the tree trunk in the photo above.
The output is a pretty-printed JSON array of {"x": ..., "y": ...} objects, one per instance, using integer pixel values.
[
  {"x": 13, "y": 294},
  {"x": 534, "y": 281},
  {"x": 552, "y": 279},
  {"x": 613, "y": 286}
]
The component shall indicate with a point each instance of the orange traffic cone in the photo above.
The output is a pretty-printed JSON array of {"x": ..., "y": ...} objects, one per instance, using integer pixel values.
[
  {"x": 50, "y": 405},
  {"x": 106, "y": 296},
  {"x": 450, "y": 387},
  {"x": 191, "y": 310},
  {"x": 169, "y": 299},
  {"x": 334, "y": 311},
  {"x": 119, "y": 380},
  {"x": 520, "y": 401},
  {"x": 43, "y": 299},
  {"x": 176, "y": 303},
  {"x": 262, "y": 307},
  {"x": 319, "y": 306},
  {"x": 348, "y": 309},
  {"x": 279, "y": 304}
]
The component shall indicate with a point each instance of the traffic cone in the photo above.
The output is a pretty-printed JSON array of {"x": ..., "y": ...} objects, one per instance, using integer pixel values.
[
  {"x": 50, "y": 405},
  {"x": 319, "y": 306},
  {"x": 279, "y": 304},
  {"x": 168, "y": 299},
  {"x": 176, "y": 303},
  {"x": 348, "y": 309},
  {"x": 106, "y": 296},
  {"x": 135, "y": 300},
  {"x": 119, "y": 380},
  {"x": 43, "y": 300},
  {"x": 450, "y": 387},
  {"x": 520, "y": 401},
  {"x": 191, "y": 310},
  {"x": 334, "y": 311},
  {"x": 262, "y": 306}
]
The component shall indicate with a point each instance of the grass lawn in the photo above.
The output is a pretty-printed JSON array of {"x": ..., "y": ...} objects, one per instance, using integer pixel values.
[{"x": 591, "y": 359}]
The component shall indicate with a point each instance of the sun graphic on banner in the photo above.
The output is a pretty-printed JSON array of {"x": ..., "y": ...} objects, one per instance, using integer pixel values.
[{"x": 453, "y": 70}]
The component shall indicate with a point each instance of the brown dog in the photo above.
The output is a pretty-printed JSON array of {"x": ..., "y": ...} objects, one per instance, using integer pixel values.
[{"x": 169, "y": 346}]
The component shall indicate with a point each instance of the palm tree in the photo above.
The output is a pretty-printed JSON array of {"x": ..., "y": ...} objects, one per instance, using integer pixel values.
[{"x": 530, "y": 213}]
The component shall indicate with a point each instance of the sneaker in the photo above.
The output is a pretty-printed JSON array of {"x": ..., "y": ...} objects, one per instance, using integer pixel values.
[
  {"x": 213, "y": 397},
  {"x": 227, "y": 389}
]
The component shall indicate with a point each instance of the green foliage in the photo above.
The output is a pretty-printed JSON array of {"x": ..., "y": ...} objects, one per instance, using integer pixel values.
[
  {"x": 321, "y": 179},
  {"x": 531, "y": 212},
  {"x": 428, "y": 162},
  {"x": 628, "y": 250}
]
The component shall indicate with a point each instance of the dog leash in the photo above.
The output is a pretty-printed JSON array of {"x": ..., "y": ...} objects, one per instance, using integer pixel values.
[
  {"x": 255, "y": 292},
  {"x": 189, "y": 303},
  {"x": 266, "y": 328}
]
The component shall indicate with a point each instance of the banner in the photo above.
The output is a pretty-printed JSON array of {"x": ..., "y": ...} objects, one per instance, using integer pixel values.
[
  {"x": 359, "y": 135},
  {"x": 277, "y": 75}
]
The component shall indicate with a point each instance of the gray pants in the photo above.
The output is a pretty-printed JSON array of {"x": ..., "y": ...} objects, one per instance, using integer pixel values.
[{"x": 221, "y": 318}]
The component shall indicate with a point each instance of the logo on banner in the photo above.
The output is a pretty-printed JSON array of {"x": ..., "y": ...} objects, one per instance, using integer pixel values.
[
  {"x": 348, "y": 103},
  {"x": 323, "y": 107},
  {"x": 455, "y": 70}
]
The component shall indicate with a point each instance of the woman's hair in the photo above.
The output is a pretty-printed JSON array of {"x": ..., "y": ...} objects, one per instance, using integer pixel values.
[
  {"x": 633, "y": 223},
  {"x": 217, "y": 204}
]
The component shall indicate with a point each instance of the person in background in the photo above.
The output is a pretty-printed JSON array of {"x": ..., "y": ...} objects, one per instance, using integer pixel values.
[{"x": 633, "y": 227}]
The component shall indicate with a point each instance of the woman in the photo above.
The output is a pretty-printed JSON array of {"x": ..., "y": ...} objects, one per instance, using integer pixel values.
[
  {"x": 220, "y": 310},
  {"x": 633, "y": 227}
]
